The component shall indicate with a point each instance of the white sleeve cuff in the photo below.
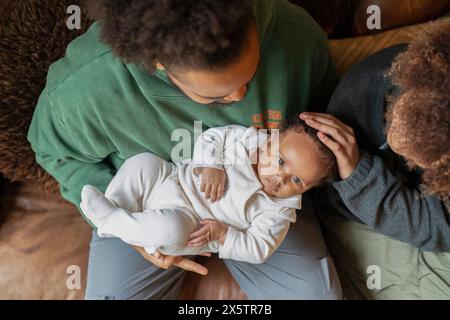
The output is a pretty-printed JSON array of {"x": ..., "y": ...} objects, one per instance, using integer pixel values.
[{"x": 226, "y": 249}]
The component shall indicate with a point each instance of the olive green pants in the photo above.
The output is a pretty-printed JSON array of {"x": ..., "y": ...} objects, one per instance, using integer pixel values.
[{"x": 403, "y": 271}]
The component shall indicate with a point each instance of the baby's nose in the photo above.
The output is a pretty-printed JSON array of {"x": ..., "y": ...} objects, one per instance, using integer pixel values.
[{"x": 281, "y": 179}]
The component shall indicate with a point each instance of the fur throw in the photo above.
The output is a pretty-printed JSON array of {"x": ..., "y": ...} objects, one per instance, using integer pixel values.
[{"x": 33, "y": 34}]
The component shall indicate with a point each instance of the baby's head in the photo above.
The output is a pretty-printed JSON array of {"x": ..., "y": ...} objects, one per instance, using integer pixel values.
[{"x": 294, "y": 160}]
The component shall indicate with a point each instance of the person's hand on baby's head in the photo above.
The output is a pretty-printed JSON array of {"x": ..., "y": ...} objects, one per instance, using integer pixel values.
[
  {"x": 338, "y": 137},
  {"x": 213, "y": 183}
]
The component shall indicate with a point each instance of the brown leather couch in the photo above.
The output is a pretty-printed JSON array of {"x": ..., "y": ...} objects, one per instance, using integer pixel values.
[{"x": 41, "y": 235}]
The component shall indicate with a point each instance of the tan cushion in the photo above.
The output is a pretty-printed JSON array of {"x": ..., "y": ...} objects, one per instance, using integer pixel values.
[
  {"x": 347, "y": 52},
  {"x": 41, "y": 238}
]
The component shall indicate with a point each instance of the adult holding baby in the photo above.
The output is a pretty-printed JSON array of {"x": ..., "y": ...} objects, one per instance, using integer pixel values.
[
  {"x": 147, "y": 68},
  {"x": 392, "y": 141}
]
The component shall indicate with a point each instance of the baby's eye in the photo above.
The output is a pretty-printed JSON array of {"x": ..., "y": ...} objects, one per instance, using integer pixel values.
[
  {"x": 296, "y": 180},
  {"x": 280, "y": 162}
]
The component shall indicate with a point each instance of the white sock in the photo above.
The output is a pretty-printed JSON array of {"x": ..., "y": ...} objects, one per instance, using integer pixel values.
[{"x": 95, "y": 205}]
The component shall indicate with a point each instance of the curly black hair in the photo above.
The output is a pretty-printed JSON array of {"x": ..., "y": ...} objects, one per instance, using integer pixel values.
[
  {"x": 179, "y": 34},
  {"x": 299, "y": 126}
]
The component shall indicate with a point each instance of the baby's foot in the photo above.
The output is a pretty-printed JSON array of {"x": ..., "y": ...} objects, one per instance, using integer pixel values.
[{"x": 95, "y": 205}]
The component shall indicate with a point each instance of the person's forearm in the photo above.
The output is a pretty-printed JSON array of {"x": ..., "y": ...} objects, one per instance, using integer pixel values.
[
  {"x": 72, "y": 175},
  {"x": 382, "y": 201}
]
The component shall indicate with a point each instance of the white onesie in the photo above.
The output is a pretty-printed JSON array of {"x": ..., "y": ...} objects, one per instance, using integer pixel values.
[{"x": 156, "y": 204}]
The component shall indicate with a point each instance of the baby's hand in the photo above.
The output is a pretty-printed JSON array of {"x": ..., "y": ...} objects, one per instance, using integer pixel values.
[
  {"x": 213, "y": 183},
  {"x": 212, "y": 230}
]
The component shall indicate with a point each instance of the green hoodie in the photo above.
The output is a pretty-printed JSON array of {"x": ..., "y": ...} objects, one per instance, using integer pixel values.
[{"x": 96, "y": 111}]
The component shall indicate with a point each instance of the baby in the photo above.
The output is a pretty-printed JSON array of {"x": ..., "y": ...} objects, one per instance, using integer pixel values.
[{"x": 242, "y": 187}]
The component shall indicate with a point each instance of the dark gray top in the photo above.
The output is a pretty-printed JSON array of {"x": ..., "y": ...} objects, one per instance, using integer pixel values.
[{"x": 382, "y": 192}]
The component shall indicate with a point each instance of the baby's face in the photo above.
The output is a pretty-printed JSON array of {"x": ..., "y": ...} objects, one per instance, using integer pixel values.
[{"x": 291, "y": 165}]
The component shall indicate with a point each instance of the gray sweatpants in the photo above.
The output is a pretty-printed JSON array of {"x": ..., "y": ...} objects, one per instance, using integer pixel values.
[{"x": 300, "y": 269}]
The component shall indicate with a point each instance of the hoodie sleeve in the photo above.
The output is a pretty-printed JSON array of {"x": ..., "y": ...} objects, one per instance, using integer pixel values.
[
  {"x": 392, "y": 207},
  {"x": 73, "y": 159},
  {"x": 257, "y": 243}
]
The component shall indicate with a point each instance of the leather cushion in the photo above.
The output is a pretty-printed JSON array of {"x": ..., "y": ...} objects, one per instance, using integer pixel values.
[
  {"x": 347, "y": 52},
  {"x": 398, "y": 13}
]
